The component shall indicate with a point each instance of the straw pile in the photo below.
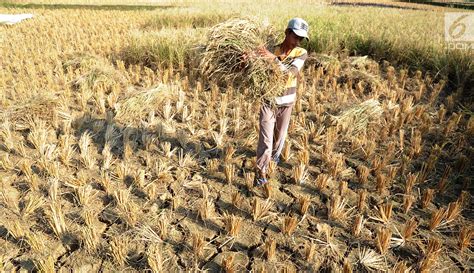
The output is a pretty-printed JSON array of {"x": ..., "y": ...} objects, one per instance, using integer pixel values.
[
  {"x": 355, "y": 120},
  {"x": 224, "y": 60},
  {"x": 139, "y": 103},
  {"x": 93, "y": 71},
  {"x": 37, "y": 107},
  {"x": 361, "y": 69},
  {"x": 322, "y": 60}
]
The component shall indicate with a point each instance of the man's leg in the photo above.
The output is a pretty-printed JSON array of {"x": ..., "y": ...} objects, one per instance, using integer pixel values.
[
  {"x": 283, "y": 115},
  {"x": 265, "y": 137}
]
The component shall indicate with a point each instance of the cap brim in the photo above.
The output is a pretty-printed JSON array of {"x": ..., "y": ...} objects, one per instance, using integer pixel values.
[{"x": 301, "y": 33}]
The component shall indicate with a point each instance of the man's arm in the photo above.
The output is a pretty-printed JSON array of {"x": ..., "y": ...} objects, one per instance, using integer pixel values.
[{"x": 294, "y": 66}]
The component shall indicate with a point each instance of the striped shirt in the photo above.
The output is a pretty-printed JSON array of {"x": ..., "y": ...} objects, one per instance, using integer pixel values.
[{"x": 290, "y": 65}]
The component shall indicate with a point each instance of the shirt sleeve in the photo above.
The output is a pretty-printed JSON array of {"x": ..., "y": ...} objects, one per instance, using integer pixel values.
[{"x": 295, "y": 65}]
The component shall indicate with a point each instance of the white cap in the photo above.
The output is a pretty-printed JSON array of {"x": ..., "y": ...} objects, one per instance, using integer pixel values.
[{"x": 299, "y": 27}]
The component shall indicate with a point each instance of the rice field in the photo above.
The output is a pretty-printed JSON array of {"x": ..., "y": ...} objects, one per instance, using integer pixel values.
[{"x": 117, "y": 153}]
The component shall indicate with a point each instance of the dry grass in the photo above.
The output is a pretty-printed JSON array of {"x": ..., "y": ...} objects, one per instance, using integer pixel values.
[
  {"x": 118, "y": 149},
  {"x": 300, "y": 173},
  {"x": 361, "y": 202},
  {"x": 229, "y": 171},
  {"x": 431, "y": 253},
  {"x": 427, "y": 197},
  {"x": 370, "y": 260},
  {"x": 409, "y": 228},
  {"x": 410, "y": 182},
  {"x": 45, "y": 265},
  {"x": 384, "y": 212},
  {"x": 228, "y": 264},
  {"x": 126, "y": 207},
  {"x": 86, "y": 154},
  {"x": 465, "y": 237},
  {"x": 155, "y": 258},
  {"x": 56, "y": 219},
  {"x": 138, "y": 103},
  {"x": 381, "y": 183},
  {"x": 206, "y": 209},
  {"x": 453, "y": 212},
  {"x": 31, "y": 204},
  {"x": 223, "y": 56},
  {"x": 347, "y": 267},
  {"x": 309, "y": 251},
  {"x": 408, "y": 202},
  {"x": 342, "y": 189},
  {"x": 270, "y": 249},
  {"x": 232, "y": 224},
  {"x": 261, "y": 210},
  {"x": 90, "y": 239},
  {"x": 383, "y": 240},
  {"x": 354, "y": 120},
  {"x": 289, "y": 225},
  {"x": 436, "y": 218},
  {"x": 363, "y": 174},
  {"x": 443, "y": 181},
  {"x": 401, "y": 267},
  {"x": 197, "y": 244},
  {"x": 322, "y": 181},
  {"x": 237, "y": 199},
  {"x": 337, "y": 209},
  {"x": 119, "y": 249},
  {"x": 249, "y": 180},
  {"x": 358, "y": 225},
  {"x": 303, "y": 204}
]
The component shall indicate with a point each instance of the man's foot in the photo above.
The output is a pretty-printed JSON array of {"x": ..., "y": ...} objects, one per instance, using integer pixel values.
[
  {"x": 260, "y": 181},
  {"x": 276, "y": 160},
  {"x": 260, "y": 178}
]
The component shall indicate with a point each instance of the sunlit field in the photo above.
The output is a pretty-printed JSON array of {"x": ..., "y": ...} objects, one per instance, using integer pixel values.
[{"x": 118, "y": 154}]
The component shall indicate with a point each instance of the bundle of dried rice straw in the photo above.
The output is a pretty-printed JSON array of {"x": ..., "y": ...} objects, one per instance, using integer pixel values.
[
  {"x": 139, "y": 103},
  {"x": 355, "y": 120},
  {"x": 92, "y": 71},
  {"x": 22, "y": 111},
  {"x": 224, "y": 61}
]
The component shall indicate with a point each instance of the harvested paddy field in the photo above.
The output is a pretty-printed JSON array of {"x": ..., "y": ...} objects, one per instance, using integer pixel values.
[{"x": 118, "y": 154}]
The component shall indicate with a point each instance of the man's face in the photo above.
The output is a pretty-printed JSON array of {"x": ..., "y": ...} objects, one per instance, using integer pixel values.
[{"x": 293, "y": 39}]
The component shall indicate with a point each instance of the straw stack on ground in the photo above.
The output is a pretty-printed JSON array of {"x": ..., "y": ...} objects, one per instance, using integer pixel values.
[
  {"x": 355, "y": 119},
  {"x": 94, "y": 73},
  {"x": 224, "y": 58},
  {"x": 137, "y": 104},
  {"x": 37, "y": 107}
]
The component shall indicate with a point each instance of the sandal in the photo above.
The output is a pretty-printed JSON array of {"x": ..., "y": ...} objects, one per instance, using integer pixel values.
[
  {"x": 276, "y": 160},
  {"x": 260, "y": 181}
]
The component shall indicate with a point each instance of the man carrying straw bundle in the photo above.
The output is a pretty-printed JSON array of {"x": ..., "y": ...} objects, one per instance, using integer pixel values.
[{"x": 275, "y": 114}]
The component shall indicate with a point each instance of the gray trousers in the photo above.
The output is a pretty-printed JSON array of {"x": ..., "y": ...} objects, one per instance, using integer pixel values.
[{"x": 273, "y": 130}]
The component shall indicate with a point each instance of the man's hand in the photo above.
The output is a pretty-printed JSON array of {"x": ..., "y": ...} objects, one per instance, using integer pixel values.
[
  {"x": 264, "y": 52},
  {"x": 245, "y": 57},
  {"x": 260, "y": 52},
  {"x": 248, "y": 55}
]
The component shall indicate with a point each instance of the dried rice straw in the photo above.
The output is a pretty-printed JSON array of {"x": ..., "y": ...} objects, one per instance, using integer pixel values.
[
  {"x": 224, "y": 59},
  {"x": 40, "y": 106},
  {"x": 356, "y": 119},
  {"x": 139, "y": 104}
]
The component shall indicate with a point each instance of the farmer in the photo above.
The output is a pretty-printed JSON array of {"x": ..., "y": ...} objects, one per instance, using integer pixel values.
[{"x": 275, "y": 116}]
